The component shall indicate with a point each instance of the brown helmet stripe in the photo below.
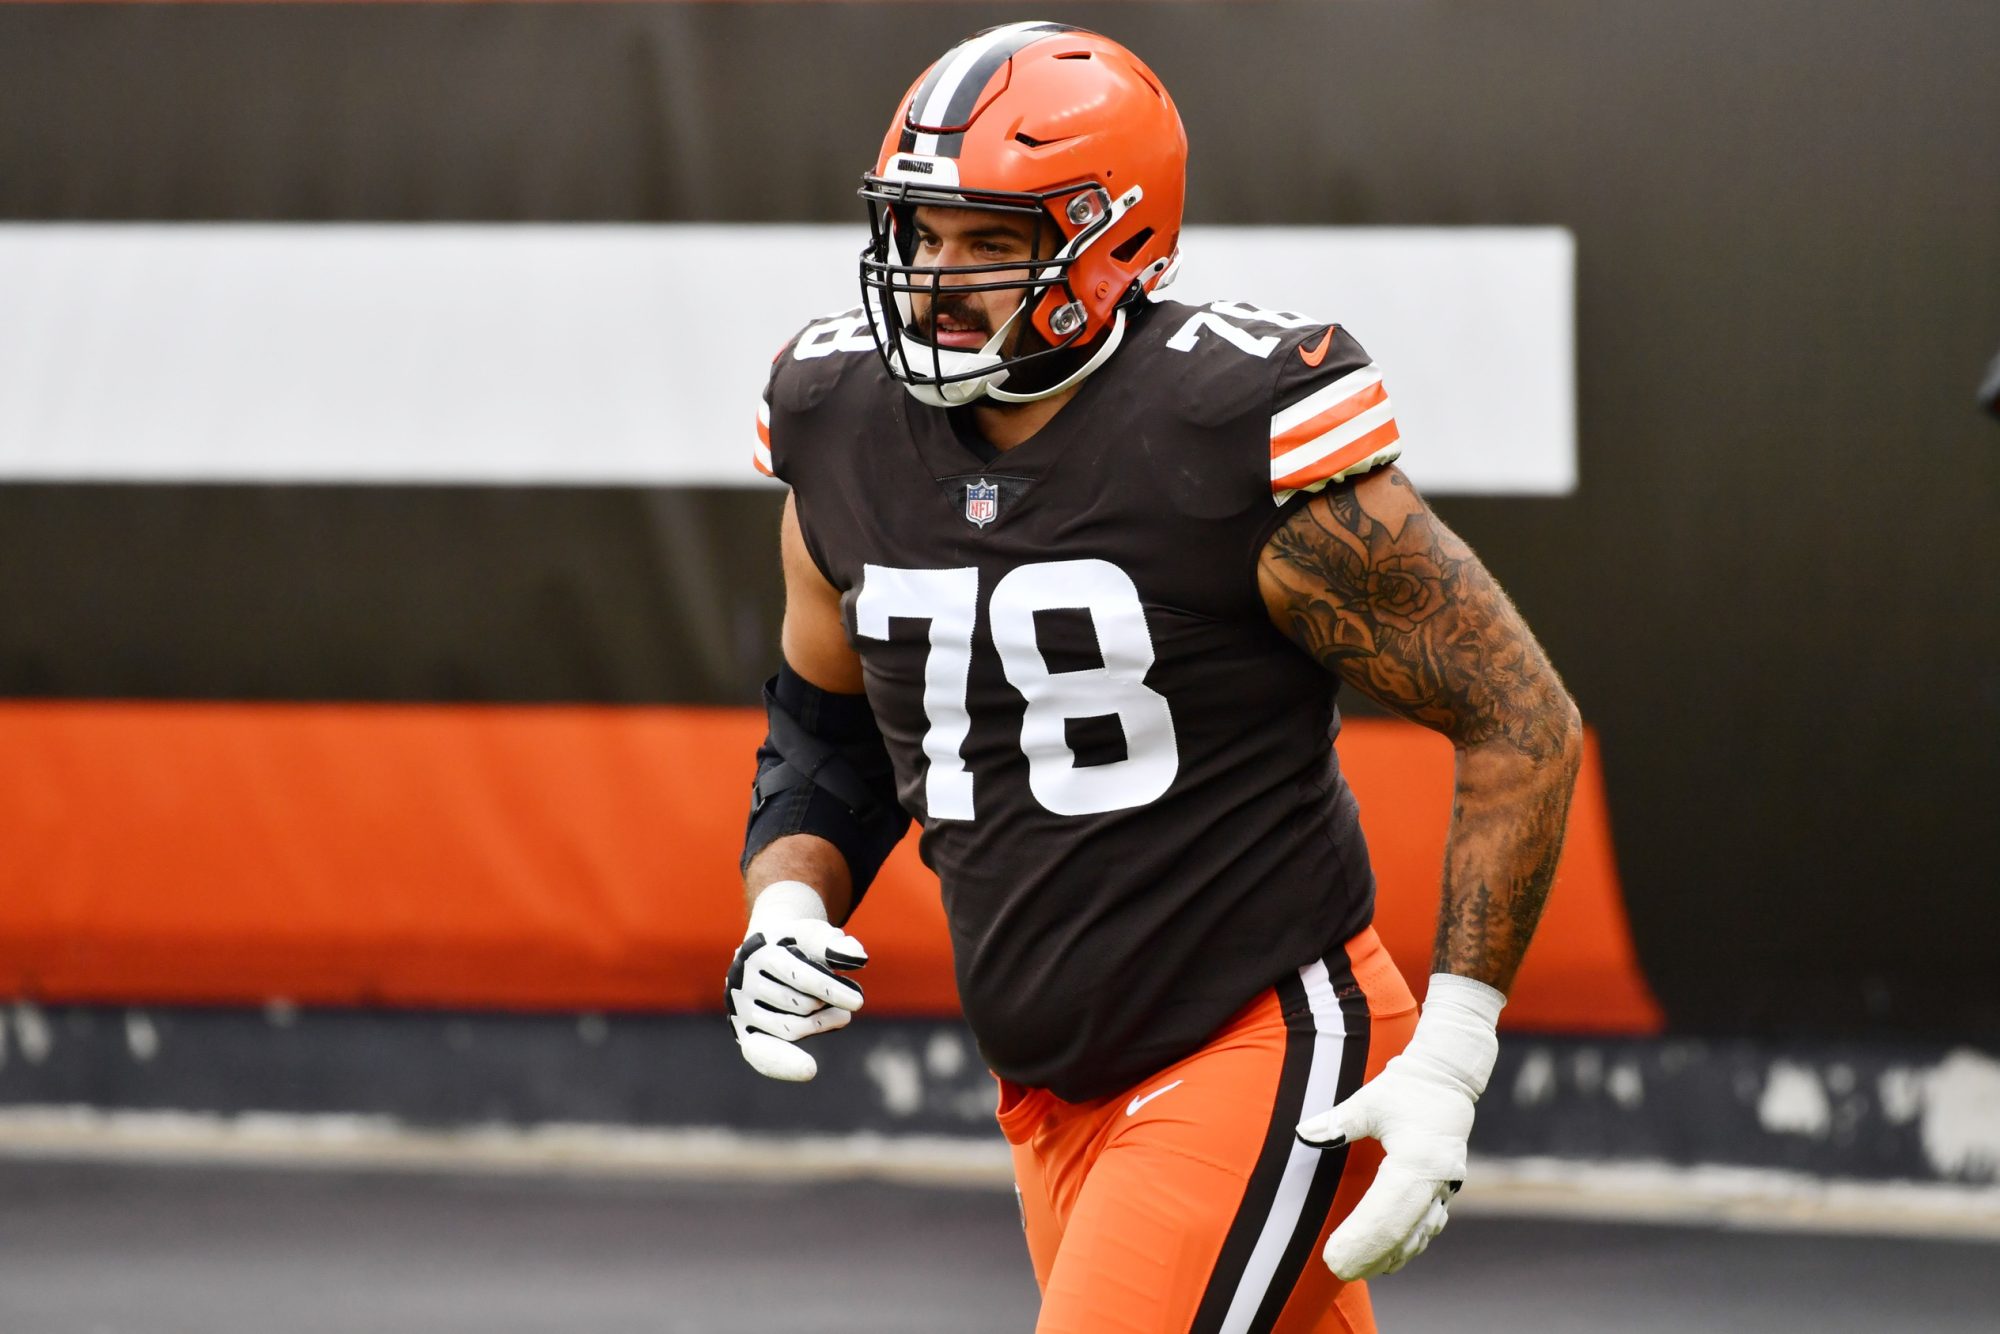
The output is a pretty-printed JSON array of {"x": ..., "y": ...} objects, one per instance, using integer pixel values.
[{"x": 948, "y": 94}]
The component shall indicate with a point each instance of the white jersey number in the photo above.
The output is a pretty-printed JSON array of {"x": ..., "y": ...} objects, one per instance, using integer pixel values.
[
  {"x": 1289, "y": 319},
  {"x": 948, "y": 599},
  {"x": 839, "y": 333},
  {"x": 1257, "y": 345},
  {"x": 1186, "y": 338}
]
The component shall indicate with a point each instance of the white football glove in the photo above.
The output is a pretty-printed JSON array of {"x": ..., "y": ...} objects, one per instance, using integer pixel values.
[
  {"x": 782, "y": 986},
  {"x": 1420, "y": 1107}
]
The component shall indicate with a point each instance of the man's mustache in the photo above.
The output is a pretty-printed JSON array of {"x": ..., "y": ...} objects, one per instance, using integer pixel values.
[{"x": 958, "y": 310}]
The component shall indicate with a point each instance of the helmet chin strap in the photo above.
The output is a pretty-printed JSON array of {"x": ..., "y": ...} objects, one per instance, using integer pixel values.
[
  {"x": 1111, "y": 342},
  {"x": 958, "y": 393},
  {"x": 952, "y": 393}
]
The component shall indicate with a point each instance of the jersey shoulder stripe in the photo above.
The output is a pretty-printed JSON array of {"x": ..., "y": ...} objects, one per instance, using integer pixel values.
[
  {"x": 1331, "y": 417},
  {"x": 760, "y": 459}
]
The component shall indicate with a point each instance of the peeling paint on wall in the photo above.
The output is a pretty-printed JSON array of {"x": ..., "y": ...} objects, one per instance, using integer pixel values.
[
  {"x": 1922, "y": 1113},
  {"x": 1626, "y": 1086},
  {"x": 1901, "y": 1091},
  {"x": 1536, "y": 1080},
  {"x": 899, "y": 1078},
  {"x": 1961, "y": 1118},
  {"x": 141, "y": 1038},
  {"x": 1794, "y": 1102},
  {"x": 32, "y": 1030},
  {"x": 944, "y": 1055}
]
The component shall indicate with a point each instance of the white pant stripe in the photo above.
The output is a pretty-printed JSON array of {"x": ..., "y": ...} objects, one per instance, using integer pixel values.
[{"x": 1322, "y": 1085}]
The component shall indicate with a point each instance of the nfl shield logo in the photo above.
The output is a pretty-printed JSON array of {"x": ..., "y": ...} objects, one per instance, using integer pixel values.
[{"x": 982, "y": 502}]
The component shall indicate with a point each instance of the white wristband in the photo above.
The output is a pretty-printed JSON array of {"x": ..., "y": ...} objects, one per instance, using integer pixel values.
[
  {"x": 786, "y": 901},
  {"x": 1456, "y": 1030},
  {"x": 1469, "y": 993}
]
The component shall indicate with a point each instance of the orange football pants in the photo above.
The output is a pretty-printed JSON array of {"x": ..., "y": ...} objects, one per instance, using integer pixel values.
[{"x": 1185, "y": 1204}]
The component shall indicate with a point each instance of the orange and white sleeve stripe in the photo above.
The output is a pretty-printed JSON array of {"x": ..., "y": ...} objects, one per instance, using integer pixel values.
[
  {"x": 1336, "y": 432},
  {"x": 762, "y": 458}
]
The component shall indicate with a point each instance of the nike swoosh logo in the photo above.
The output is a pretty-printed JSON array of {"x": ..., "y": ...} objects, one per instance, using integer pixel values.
[
  {"x": 1318, "y": 354},
  {"x": 1132, "y": 1107}
]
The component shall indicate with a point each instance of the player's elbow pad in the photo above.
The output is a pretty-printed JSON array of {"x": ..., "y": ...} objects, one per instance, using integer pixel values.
[{"x": 823, "y": 770}]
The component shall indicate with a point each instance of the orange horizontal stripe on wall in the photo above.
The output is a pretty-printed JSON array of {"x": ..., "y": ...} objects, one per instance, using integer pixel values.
[
  {"x": 546, "y": 857},
  {"x": 419, "y": 855}
]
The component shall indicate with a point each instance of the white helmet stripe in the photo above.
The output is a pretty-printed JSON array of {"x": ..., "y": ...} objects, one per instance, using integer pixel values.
[{"x": 962, "y": 73}]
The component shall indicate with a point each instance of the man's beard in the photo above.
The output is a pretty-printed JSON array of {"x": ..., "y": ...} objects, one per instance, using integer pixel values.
[{"x": 1027, "y": 340}]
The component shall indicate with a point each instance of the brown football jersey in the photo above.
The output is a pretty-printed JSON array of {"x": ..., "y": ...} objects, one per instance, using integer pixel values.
[{"x": 1123, "y": 772}]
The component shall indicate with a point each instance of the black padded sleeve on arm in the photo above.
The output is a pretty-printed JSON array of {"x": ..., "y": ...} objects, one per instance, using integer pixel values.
[{"x": 823, "y": 770}]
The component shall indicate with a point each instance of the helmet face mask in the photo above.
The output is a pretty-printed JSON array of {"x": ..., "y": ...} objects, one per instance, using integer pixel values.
[
  {"x": 903, "y": 297},
  {"x": 1031, "y": 120}
]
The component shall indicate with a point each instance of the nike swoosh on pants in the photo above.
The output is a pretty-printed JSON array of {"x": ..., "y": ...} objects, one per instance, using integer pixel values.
[{"x": 1132, "y": 1107}]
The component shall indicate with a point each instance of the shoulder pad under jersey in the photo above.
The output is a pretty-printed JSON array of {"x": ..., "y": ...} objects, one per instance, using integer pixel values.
[
  {"x": 1330, "y": 413},
  {"x": 805, "y": 370},
  {"x": 1219, "y": 355}
]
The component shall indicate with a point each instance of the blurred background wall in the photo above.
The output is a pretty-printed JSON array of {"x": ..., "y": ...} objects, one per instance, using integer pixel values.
[{"x": 1773, "y": 590}]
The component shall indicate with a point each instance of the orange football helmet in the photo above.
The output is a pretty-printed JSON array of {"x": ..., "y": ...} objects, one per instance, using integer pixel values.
[{"x": 1037, "y": 119}]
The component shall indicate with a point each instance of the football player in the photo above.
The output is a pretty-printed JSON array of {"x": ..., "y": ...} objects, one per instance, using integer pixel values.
[{"x": 1067, "y": 568}]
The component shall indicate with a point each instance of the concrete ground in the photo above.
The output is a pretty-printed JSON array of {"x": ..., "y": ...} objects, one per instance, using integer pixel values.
[{"x": 138, "y": 1248}]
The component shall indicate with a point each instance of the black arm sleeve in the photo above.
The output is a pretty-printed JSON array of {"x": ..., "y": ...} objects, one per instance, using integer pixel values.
[{"x": 823, "y": 770}]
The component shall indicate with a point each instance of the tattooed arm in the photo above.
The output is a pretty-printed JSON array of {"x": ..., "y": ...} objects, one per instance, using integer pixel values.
[{"x": 1374, "y": 586}]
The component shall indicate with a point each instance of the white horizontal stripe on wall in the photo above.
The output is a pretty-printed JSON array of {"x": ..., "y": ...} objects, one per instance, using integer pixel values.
[{"x": 636, "y": 355}]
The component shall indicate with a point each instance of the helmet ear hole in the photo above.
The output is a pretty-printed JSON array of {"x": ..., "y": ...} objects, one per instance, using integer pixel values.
[{"x": 1129, "y": 248}]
